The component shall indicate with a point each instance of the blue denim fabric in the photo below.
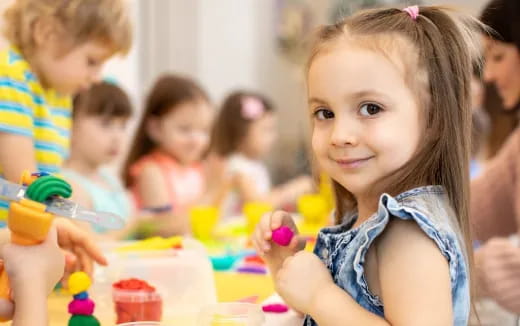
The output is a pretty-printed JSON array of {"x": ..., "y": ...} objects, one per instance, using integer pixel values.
[{"x": 343, "y": 249}]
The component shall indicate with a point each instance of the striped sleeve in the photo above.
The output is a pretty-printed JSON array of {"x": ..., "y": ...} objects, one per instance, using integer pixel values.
[{"x": 16, "y": 107}]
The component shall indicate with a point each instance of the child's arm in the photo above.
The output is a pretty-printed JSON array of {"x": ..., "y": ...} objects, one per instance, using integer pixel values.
[
  {"x": 278, "y": 196},
  {"x": 494, "y": 194},
  {"x": 413, "y": 277},
  {"x": 16, "y": 155},
  {"x": 153, "y": 191},
  {"x": 33, "y": 272},
  {"x": 218, "y": 181}
]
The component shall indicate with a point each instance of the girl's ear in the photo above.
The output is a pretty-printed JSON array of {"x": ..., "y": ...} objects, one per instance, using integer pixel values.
[{"x": 153, "y": 128}]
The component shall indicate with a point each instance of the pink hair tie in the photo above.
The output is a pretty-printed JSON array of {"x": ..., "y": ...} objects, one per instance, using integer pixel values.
[
  {"x": 413, "y": 11},
  {"x": 252, "y": 108}
]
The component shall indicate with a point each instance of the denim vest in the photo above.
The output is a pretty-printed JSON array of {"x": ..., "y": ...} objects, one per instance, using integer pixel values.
[{"x": 343, "y": 249}]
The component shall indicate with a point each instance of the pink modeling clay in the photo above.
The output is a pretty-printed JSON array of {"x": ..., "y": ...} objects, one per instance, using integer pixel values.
[
  {"x": 276, "y": 308},
  {"x": 282, "y": 236},
  {"x": 81, "y": 307}
]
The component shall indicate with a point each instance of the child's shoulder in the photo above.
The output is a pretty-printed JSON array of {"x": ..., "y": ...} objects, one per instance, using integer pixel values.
[
  {"x": 430, "y": 202},
  {"x": 14, "y": 66}
]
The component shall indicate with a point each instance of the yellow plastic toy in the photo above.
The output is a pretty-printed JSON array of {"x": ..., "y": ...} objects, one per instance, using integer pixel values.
[
  {"x": 254, "y": 211},
  {"x": 151, "y": 244},
  {"x": 203, "y": 220}
]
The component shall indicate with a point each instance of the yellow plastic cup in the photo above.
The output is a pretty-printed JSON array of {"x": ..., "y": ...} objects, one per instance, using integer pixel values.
[
  {"x": 203, "y": 221},
  {"x": 253, "y": 211},
  {"x": 313, "y": 208}
]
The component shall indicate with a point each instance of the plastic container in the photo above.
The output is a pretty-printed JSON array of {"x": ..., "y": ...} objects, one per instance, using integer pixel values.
[
  {"x": 142, "y": 323},
  {"x": 137, "y": 305},
  {"x": 231, "y": 314},
  {"x": 203, "y": 221},
  {"x": 182, "y": 277},
  {"x": 253, "y": 212}
]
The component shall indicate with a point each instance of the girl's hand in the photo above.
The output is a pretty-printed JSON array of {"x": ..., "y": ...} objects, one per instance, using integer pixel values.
[
  {"x": 274, "y": 254},
  {"x": 300, "y": 280}
]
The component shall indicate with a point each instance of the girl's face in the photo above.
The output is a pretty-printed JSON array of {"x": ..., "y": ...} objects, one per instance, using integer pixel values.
[
  {"x": 366, "y": 122},
  {"x": 183, "y": 132},
  {"x": 260, "y": 137},
  {"x": 98, "y": 139},
  {"x": 502, "y": 67}
]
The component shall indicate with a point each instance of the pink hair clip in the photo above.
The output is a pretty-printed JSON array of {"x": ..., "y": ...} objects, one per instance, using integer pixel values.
[
  {"x": 413, "y": 11},
  {"x": 252, "y": 108}
]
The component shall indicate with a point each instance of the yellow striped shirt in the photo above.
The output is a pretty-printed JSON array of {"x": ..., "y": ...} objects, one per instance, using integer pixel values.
[{"x": 28, "y": 109}]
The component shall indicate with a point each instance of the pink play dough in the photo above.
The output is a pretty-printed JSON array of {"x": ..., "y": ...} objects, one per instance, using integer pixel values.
[
  {"x": 81, "y": 307},
  {"x": 283, "y": 236},
  {"x": 276, "y": 308}
]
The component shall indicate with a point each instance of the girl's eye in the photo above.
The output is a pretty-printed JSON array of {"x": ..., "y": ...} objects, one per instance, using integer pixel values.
[
  {"x": 324, "y": 114},
  {"x": 497, "y": 57},
  {"x": 369, "y": 109},
  {"x": 91, "y": 62}
]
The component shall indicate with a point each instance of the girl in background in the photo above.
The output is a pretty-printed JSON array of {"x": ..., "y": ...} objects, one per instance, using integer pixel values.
[
  {"x": 244, "y": 133},
  {"x": 100, "y": 117},
  {"x": 165, "y": 168}
]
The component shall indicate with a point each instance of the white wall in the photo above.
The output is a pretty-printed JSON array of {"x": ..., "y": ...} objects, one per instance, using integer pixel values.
[
  {"x": 229, "y": 44},
  {"x": 224, "y": 44}
]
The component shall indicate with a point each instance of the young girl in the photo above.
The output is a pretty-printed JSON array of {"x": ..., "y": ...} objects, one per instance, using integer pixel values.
[
  {"x": 100, "y": 116},
  {"x": 389, "y": 99},
  {"x": 58, "y": 48},
  {"x": 244, "y": 133},
  {"x": 164, "y": 168}
]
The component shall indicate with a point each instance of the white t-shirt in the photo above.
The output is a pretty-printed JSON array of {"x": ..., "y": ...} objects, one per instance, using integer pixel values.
[{"x": 253, "y": 169}]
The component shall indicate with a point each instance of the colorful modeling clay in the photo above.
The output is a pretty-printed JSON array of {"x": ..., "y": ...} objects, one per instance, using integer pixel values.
[
  {"x": 276, "y": 308},
  {"x": 252, "y": 269},
  {"x": 282, "y": 236},
  {"x": 254, "y": 260},
  {"x": 81, "y": 296},
  {"x": 80, "y": 320},
  {"x": 81, "y": 308},
  {"x": 79, "y": 282}
]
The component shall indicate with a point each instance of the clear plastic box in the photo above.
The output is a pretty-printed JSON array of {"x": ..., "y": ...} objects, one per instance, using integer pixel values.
[
  {"x": 183, "y": 278},
  {"x": 231, "y": 314},
  {"x": 142, "y": 323}
]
